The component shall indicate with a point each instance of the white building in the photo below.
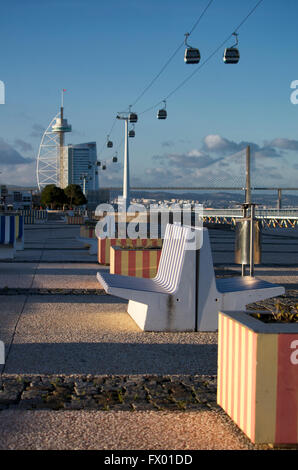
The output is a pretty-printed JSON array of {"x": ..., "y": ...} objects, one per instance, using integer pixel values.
[{"x": 79, "y": 166}]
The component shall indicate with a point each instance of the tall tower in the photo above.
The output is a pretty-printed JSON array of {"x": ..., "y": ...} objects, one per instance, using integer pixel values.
[
  {"x": 50, "y": 168},
  {"x": 60, "y": 127}
]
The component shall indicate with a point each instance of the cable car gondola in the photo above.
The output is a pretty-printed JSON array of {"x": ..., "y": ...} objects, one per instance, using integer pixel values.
[
  {"x": 133, "y": 117},
  {"x": 231, "y": 54},
  {"x": 109, "y": 143},
  {"x": 131, "y": 133},
  {"x": 192, "y": 55},
  {"x": 115, "y": 159},
  {"x": 162, "y": 113},
  {"x": 104, "y": 167},
  {"x": 98, "y": 163}
]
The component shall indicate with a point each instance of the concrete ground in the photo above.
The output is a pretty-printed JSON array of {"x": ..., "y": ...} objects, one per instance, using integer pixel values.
[{"x": 81, "y": 333}]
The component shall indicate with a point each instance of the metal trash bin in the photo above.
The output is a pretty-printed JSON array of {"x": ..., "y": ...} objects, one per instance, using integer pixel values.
[{"x": 242, "y": 242}]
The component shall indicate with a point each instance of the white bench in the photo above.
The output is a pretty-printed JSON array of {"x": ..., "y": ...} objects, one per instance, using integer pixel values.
[{"x": 184, "y": 295}]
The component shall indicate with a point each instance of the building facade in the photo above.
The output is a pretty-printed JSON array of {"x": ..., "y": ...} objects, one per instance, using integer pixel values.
[{"x": 80, "y": 167}]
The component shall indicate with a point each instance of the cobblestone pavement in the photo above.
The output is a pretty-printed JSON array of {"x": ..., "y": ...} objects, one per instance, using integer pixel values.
[
  {"x": 46, "y": 291},
  {"x": 134, "y": 393}
]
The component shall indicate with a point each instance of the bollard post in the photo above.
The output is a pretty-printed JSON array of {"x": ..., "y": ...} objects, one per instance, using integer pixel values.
[{"x": 251, "y": 244}]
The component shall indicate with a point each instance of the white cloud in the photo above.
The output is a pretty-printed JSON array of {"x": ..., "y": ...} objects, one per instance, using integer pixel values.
[
  {"x": 10, "y": 156},
  {"x": 23, "y": 175},
  {"x": 221, "y": 162},
  {"x": 23, "y": 146},
  {"x": 286, "y": 144}
]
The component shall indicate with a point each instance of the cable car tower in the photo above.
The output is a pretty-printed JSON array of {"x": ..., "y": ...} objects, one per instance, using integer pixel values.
[
  {"x": 128, "y": 118},
  {"x": 50, "y": 160}
]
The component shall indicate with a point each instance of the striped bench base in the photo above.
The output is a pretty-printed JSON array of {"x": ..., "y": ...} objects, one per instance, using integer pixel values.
[
  {"x": 104, "y": 245},
  {"x": 258, "y": 377},
  {"x": 142, "y": 262}
]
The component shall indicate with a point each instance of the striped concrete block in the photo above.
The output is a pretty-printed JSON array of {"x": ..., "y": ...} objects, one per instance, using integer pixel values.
[
  {"x": 7, "y": 229},
  {"x": 138, "y": 262},
  {"x": 19, "y": 232},
  {"x": 29, "y": 219},
  {"x": 7, "y": 236},
  {"x": 87, "y": 232},
  {"x": 38, "y": 214},
  {"x": 75, "y": 219},
  {"x": 258, "y": 377},
  {"x": 104, "y": 244}
]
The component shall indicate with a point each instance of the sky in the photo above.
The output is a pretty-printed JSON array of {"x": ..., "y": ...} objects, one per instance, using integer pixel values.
[{"x": 106, "y": 53}]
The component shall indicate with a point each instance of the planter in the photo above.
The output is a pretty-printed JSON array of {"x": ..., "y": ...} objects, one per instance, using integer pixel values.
[
  {"x": 29, "y": 219},
  {"x": 137, "y": 262},
  {"x": 258, "y": 377},
  {"x": 87, "y": 231},
  {"x": 104, "y": 245},
  {"x": 75, "y": 219}
]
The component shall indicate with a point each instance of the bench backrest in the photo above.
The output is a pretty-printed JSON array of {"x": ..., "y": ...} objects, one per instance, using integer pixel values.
[{"x": 172, "y": 257}]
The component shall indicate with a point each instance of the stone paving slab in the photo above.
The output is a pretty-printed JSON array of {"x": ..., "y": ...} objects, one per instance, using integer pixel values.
[
  {"x": 120, "y": 431},
  {"x": 17, "y": 274},
  {"x": 10, "y": 311},
  {"x": 49, "y": 275},
  {"x": 89, "y": 334}
]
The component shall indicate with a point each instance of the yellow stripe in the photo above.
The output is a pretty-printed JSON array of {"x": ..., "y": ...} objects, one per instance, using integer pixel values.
[
  {"x": 17, "y": 222},
  {"x": 107, "y": 248},
  {"x": 139, "y": 263},
  {"x": 152, "y": 263},
  {"x": 219, "y": 356},
  {"x": 236, "y": 374},
  {"x": 230, "y": 367},
  {"x": 249, "y": 383},
  {"x": 224, "y": 353},
  {"x": 124, "y": 263},
  {"x": 112, "y": 260},
  {"x": 242, "y": 378},
  {"x": 266, "y": 385}
]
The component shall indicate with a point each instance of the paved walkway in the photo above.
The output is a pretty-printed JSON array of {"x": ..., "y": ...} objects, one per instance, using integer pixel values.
[{"x": 54, "y": 322}]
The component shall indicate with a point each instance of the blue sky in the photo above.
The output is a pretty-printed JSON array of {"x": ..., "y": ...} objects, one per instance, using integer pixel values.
[{"x": 104, "y": 53}]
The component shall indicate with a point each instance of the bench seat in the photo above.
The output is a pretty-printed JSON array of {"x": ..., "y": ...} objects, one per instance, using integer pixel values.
[
  {"x": 237, "y": 284},
  {"x": 112, "y": 282}
]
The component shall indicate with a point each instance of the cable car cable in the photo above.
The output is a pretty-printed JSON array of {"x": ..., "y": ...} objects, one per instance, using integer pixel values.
[
  {"x": 206, "y": 60},
  {"x": 165, "y": 65},
  {"x": 173, "y": 55}
]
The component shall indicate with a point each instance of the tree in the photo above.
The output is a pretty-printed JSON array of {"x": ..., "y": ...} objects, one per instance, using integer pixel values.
[
  {"x": 75, "y": 196},
  {"x": 53, "y": 196}
]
